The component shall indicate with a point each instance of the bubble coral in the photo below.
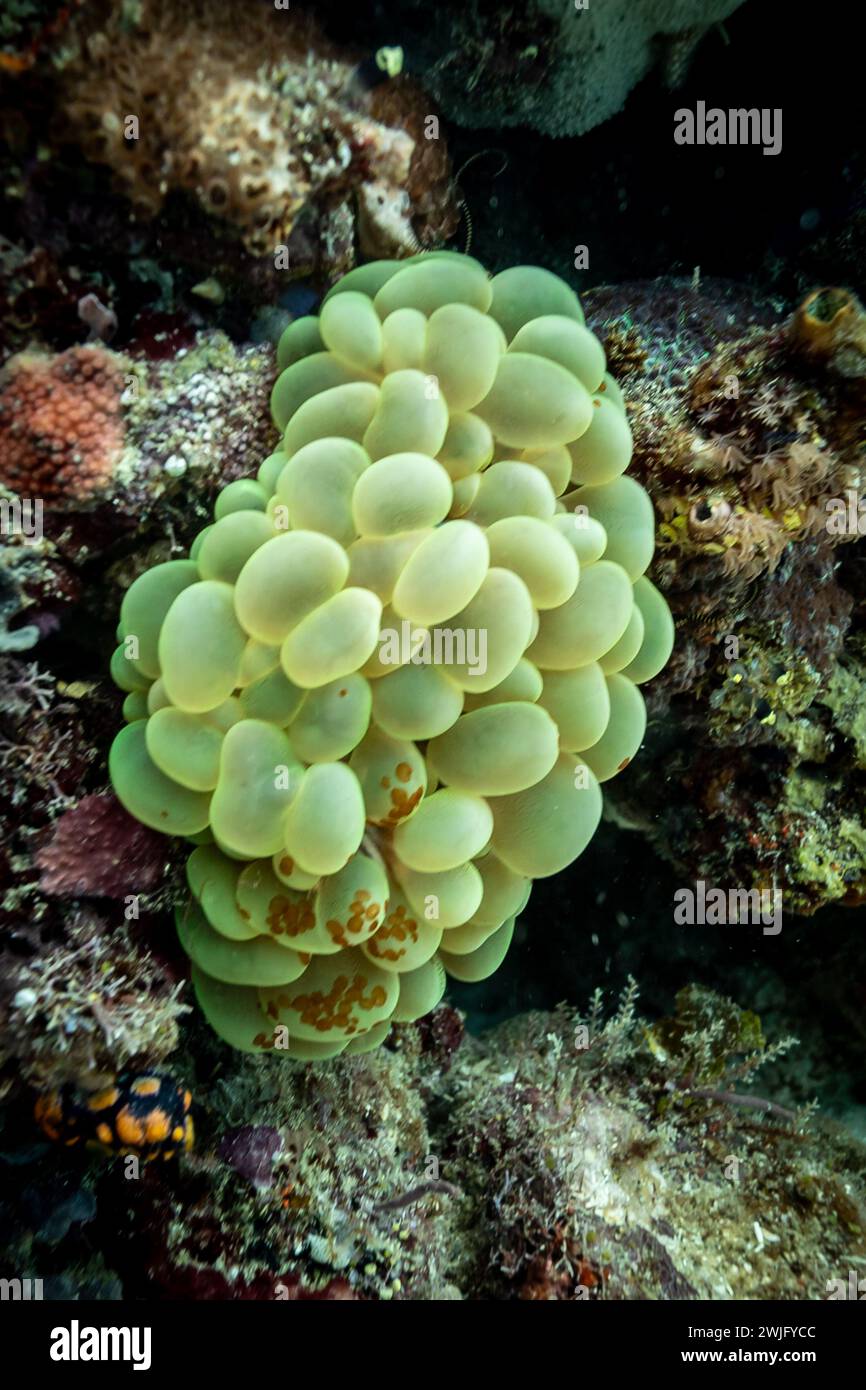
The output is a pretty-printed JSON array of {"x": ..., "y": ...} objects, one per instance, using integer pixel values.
[
  {"x": 61, "y": 427},
  {"x": 382, "y": 691}
]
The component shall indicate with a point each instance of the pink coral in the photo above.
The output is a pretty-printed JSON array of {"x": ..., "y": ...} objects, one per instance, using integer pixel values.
[
  {"x": 94, "y": 848},
  {"x": 61, "y": 430}
]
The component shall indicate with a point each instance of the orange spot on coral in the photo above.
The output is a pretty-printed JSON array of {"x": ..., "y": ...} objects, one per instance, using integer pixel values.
[
  {"x": 402, "y": 804},
  {"x": 145, "y": 1086},
  {"x": 289, "y": 918},
  {"x": 336, "y": 932},
  {"x": 129, "y": 1129},
  {"x": 158, "y": 1127},
  {"x": 334, "y": 1010},
  {"x": 360, "y": 915},
  {"x": 48, "y": 1113},
  {"x": 398, "y": 926}
]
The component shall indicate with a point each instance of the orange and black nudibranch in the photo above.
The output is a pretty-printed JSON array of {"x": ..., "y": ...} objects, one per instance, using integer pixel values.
[{"x": 143, "y": 1114}]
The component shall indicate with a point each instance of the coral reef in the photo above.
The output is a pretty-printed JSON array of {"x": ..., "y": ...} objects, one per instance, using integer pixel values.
[
  {"x": 99, "y": 441},
  {"x": 254, "y": 489},
  {"x": 82, "y": 995},
  {"x": 558, "y": 1157},
  {"x": 260, "y": 121},
  {"x": 91, "y": 1004},
  {"x": 608, "y": 1160},
  {"x": 391, "y": 800},
  {"x": 748, "y": 425},
  {"x": 262, "y": 152}
]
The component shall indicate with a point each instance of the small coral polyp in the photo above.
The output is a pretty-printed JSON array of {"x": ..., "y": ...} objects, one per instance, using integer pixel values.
[{"x": 381, "y": 693}]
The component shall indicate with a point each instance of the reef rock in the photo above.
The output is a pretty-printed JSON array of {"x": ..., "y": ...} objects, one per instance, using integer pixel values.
[
  {"x": 747, "y": 423},
  {"x": 561, "y": 66}
]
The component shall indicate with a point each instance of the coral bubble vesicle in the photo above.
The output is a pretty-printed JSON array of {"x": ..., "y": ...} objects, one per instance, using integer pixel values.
[{"x": 380, "y": 695}]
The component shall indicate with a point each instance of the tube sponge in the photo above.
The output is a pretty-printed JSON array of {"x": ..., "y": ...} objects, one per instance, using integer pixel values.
[{"x": 381, "y": 693}]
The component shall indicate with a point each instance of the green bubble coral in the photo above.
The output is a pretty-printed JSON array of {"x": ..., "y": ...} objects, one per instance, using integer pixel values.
[{"x": 382, "y": 692}]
